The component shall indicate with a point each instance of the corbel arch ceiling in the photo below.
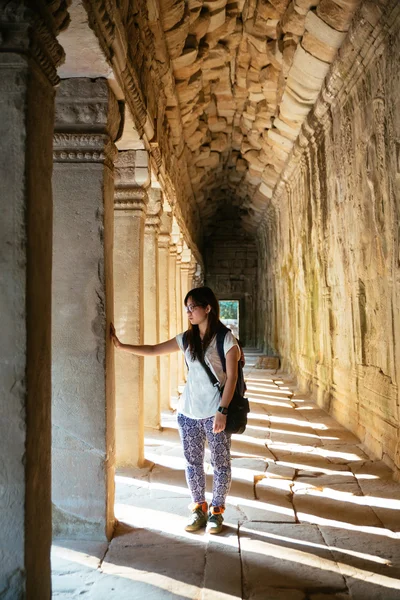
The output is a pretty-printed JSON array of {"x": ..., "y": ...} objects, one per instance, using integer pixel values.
[{"x": 246, "y": 72}]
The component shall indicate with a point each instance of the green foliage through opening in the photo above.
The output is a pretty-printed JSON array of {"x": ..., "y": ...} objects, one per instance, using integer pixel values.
[{"x": 229, "y": 309}]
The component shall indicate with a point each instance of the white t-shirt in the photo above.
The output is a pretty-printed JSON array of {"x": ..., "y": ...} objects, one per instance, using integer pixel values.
[{"x": 200, "y": 399}]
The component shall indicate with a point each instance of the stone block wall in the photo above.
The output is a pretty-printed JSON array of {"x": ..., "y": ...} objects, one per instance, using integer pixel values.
[
  {"x": 329, "y": 276},
  {"x": 231, "y": 272}
]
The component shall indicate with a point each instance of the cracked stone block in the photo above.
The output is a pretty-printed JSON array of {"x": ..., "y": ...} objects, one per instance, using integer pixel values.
[
  {"x": 288, "y": 556},
  {"x": 222, "y": 573},
  {"x": 322, "y": 510},
  {"x": 369, "y": 561},
  {"x": 305, "y": 478},
  {"x": 276, "y": 471}
]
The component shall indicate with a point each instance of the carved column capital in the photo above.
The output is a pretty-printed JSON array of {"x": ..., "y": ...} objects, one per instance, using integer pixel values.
[
  {"x": 198, "y": 278},
  {"x": 163, "y": 240},
  {"x": 27, "y": 29},
  {"x": 134, "y": 199},
  {"x": 185, "y": 266},
  {"x": 165, "y": 230},
  {"x": 152, "y": 224},
  {"x": 192, "y": 267},
  {"x": 87, "y": 122},
  {"x": 154, "y": 210},
  {"x": 179, "y": 248},
  {"x": 172, "y": 248},
  {"x": 186, "y": 258},
  {"x": 132, "y": 168},
  {"x": 131, "y": 180}
]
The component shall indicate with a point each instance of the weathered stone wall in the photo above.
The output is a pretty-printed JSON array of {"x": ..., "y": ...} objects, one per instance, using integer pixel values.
[
  {"x": 331, "y": 299},
  {"x": 231, "y": 272}
]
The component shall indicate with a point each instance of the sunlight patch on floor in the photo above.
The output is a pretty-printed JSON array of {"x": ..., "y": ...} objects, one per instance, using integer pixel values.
[
  {"x": 301, "y": 557},
  {"x": 308, "y": 544}
]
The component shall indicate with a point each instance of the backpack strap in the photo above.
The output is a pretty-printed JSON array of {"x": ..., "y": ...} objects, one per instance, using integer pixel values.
[
  {"x": 221, "y": 333},
  {"x": 240, "y": 384},
  {"x": 211, "y": 375}
]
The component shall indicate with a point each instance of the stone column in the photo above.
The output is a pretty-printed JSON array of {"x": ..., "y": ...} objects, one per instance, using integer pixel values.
[
  {"x": 130, "y": 203},
  {"x": 152, "y": 414},
  {"x": 198, "y": 279},
  {"x": 192, "y": 272},
  {"x": 173, "y": 327},
  {"x": 163, "y": 306},
  {"x": 180, "y": 323},
  {"x": 186, "y": 282},
  {"x": 87, "y": 122},
  {"x": 185, "y": 288},
  {"x": 29, "y": 56}
]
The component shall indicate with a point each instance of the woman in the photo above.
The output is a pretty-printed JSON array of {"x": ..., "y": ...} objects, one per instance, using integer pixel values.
[{"x": 201, "y": 410}]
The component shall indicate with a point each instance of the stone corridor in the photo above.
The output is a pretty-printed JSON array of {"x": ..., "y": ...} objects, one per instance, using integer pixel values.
[
  {"x": 148, "y": 147},
  {"x": 310, "y": 516}
]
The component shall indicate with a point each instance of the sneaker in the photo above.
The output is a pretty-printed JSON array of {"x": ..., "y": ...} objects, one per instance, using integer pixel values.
[
  {"x": 215, "y": 519},
  {"x": 199, "y": 516}
]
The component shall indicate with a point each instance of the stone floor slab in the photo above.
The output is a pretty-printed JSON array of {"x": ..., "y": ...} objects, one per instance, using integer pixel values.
[
  {"x": 288, "y": 556},
  {"x": 276, "y": 471},
  {"x": 324, "y": 480},
  {"x": 370, "y": 562},
  {"x": 222, "y": 573},
  {"x": 322, "y": 510},
  {"x": 75, "y": 567}
]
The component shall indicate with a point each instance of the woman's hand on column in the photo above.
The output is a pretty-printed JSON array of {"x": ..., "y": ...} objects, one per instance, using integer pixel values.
[
  {"x": 113, "y": 336},
  {"x": 219, "y": 422}
]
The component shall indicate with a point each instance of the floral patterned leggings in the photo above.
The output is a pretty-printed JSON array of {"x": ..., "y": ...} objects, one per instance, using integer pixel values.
[{"x": 193, "y": 434}]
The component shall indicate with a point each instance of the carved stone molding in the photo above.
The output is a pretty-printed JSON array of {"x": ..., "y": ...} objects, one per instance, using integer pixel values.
[
  {"x": 101, "y": 19},
  {"x": 70, "y": 147},
  {"x": 26, "y": 28},
  {"x": 165, "y": 230},
  {"x": 132, "y": 169},
  {"x": 154, "y": 210},
  {"x": 87, "y": 122},
  {"x": 152, "y": 223},
  {"x": 135, "y": 99},
  {"x": 197, "y": 279},
  {"x": 132, "y": 199},
  {"x": 87, "y": 105},
  {"x": 163, "y": 240},
  {"x": 105, "y": 22}
]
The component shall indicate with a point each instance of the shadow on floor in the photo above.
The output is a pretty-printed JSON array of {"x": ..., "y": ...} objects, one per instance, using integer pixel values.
[{"x": 309, "y": 517}]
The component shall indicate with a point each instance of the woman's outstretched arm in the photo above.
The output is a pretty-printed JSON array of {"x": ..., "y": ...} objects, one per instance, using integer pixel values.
[{"x": 145, "y": 350}]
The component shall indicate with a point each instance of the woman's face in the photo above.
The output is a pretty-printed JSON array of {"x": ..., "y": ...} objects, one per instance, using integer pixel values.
[{"x": 196, "y": 314}]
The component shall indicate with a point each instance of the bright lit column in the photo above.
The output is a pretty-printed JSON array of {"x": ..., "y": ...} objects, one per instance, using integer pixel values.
[
  {"x": 130, "y": 204},
  {"x": 152, "y": 413},
  {"x": 186, "y": 283},
  {"x": 163, "y": 306},
  {"x": 83, "y": 407},
  {"x": 180, "y": 322},
  {"x": 192, "y": 272},
  {"x": 173, "y": 327}
]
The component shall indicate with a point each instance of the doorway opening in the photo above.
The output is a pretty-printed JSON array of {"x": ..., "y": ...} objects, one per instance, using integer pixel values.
[{"x": 229, "y": 315}]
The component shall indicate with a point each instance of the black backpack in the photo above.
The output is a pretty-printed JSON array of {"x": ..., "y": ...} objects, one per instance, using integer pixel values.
[{"x": 239, "y": 406}]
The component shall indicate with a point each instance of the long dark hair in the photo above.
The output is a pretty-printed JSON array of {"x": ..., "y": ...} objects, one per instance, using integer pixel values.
[{"x": 202, "y": 296}]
